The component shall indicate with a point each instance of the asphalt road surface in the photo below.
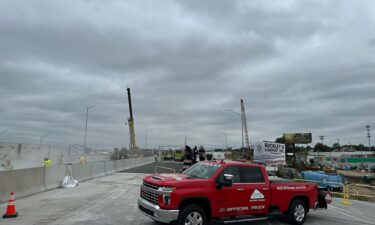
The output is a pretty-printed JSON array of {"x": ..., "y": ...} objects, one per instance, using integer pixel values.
[
  {"x": 161, "y": 167},
  {"x": 112, "y": 200}
]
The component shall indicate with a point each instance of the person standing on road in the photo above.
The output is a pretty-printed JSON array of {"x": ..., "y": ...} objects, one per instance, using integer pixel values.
[
  {"x": 8, "y": 165},
  {"x": 194, "y": 155},
  {"x": 47, "y": 162},
  {"x": 82, "y": 159}
]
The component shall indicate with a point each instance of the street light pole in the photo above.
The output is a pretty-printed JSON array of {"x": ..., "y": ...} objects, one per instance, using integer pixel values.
[
  {"x": 87, "y": 115},
  {"x": 146, "y": 136},
  {"x": 225, "y": 139},
  {"x": 236, "y": 113}
]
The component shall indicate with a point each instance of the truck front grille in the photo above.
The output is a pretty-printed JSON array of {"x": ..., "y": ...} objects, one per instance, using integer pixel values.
[{"x": 149, "y": 192}]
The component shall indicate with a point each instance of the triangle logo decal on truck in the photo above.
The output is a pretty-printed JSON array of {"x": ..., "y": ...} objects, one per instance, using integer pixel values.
[{"x": 257, "y": 195}]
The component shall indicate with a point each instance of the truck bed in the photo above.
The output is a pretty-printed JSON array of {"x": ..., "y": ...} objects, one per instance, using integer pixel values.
[{"x": 283, "y": 191}]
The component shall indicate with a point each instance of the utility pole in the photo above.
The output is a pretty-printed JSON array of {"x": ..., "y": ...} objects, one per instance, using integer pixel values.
[
  {"x": 368, "y": 136},
  {"x": 225, "y": 139},
  {"x": 322, "y": 139}
]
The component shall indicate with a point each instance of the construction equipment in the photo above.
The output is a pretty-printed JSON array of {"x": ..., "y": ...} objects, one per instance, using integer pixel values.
[
  {"x": 134, "y": 150},
  {"x": 244, "y": 125}
]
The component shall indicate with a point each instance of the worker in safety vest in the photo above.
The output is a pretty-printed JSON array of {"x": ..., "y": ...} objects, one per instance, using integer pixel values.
[
  {"x": 47, "y": 162},
  {"x": 8, "y": 165},
  {"x": 82, "y": 159}
]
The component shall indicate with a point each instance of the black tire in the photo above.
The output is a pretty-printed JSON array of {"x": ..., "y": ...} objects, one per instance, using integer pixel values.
[
  {"x": 297, "y": 212},
  {"x": 192, "y": 212}
]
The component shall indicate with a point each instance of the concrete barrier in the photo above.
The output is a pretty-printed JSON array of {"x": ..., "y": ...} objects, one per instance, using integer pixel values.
[
  {"x": 128, "y": 163},
  {"x": 54, "y": 176},
  {"x": 30, "y": 181},
  {"x": 98, "y": 169},
  {"x": 82, "y": 172},
  {"x": 119, "y": 165},
  {"x": 23, "y": 182},
  {"x": 109, "y": 167}
]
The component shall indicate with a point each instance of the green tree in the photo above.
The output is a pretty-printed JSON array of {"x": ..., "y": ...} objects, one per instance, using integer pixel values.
[
  {"x": 280, "y": 140},
  {"x": 336, "y": 146},
  {"x": 322, "y": 148}
]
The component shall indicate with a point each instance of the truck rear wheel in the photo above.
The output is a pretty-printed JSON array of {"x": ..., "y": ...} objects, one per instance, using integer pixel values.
[
  {"x": 192, "y": 215},
  {"x": 297, "y": 212}
]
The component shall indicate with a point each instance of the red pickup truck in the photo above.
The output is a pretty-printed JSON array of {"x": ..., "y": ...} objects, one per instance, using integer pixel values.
[{"x": 226, "y": 191}]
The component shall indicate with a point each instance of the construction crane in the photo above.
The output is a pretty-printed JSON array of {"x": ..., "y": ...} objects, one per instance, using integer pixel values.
[
  {"x": 134, "y": 150},
  {"x": 244, "y": 125}
]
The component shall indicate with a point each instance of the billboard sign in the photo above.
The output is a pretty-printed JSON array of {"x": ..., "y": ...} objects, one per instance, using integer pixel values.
[
  {"x": 297, "y": 138},
  {"x": 270, "y": 153}
]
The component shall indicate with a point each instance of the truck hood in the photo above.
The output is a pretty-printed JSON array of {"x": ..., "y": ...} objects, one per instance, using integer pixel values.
[{"x": 174, "y": 180}]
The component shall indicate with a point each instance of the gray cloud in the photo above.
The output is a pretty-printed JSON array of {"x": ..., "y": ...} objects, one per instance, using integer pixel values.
[{"x": 300, "y": 66}]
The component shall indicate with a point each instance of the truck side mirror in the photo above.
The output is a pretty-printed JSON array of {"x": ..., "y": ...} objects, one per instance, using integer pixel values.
[{"x": 228, "y": 180}]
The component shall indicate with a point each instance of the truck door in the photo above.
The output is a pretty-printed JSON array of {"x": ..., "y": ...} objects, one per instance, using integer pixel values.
[
  {"x": 256, "y": 191},
  {"x": 229, "y": 200}
]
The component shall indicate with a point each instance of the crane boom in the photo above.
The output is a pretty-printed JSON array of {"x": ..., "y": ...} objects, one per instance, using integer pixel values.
[
  {"x": 133, "y": 146},
  {"x": 244, "y": 123}
]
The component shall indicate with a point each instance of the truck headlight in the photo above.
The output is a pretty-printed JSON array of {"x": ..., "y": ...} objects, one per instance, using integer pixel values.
[
  {"x": 166, "y": 189},
  {"x": 165, "y": 193}
]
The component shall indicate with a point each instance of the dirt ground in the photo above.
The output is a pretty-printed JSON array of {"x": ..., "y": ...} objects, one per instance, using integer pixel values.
[
  {"x": 357, "y": 186},
  {"x": 354, "y": 190},
  {"x": 353, "y": 173}
]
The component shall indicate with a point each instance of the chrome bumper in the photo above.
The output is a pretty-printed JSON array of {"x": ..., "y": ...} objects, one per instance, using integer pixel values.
[{"x": 155, "y": 213}]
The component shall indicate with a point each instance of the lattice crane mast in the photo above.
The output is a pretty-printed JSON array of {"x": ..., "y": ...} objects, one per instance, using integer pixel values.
[
  {"x": 134, "y": 151},
  {"x": 244, "y": 123}
]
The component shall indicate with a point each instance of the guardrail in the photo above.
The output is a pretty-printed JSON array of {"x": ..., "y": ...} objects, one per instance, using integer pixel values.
[
  {"x": 166, "y": 168},
  {"x": 30, "y": 181}
]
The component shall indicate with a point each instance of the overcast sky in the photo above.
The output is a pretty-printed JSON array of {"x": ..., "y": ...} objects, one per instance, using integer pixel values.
[{"x": 300, "y": 66}]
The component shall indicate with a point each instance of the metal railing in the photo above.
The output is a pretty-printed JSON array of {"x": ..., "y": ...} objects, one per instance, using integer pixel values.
[
  {"x": 346, "y": 188},
  {"x": 165, "y": 168}
]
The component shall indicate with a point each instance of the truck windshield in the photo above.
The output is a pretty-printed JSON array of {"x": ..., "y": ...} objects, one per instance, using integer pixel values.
[{"x": 202, "y": 170}]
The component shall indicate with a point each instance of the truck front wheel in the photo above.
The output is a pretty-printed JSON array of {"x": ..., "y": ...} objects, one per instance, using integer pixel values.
[
  {"x": 297, "y": 212},
  {"x": 192, "y": 215}
]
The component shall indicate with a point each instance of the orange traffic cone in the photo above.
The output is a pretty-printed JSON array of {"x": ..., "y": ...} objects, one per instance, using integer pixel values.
[{"x": 11, "y": 209}]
